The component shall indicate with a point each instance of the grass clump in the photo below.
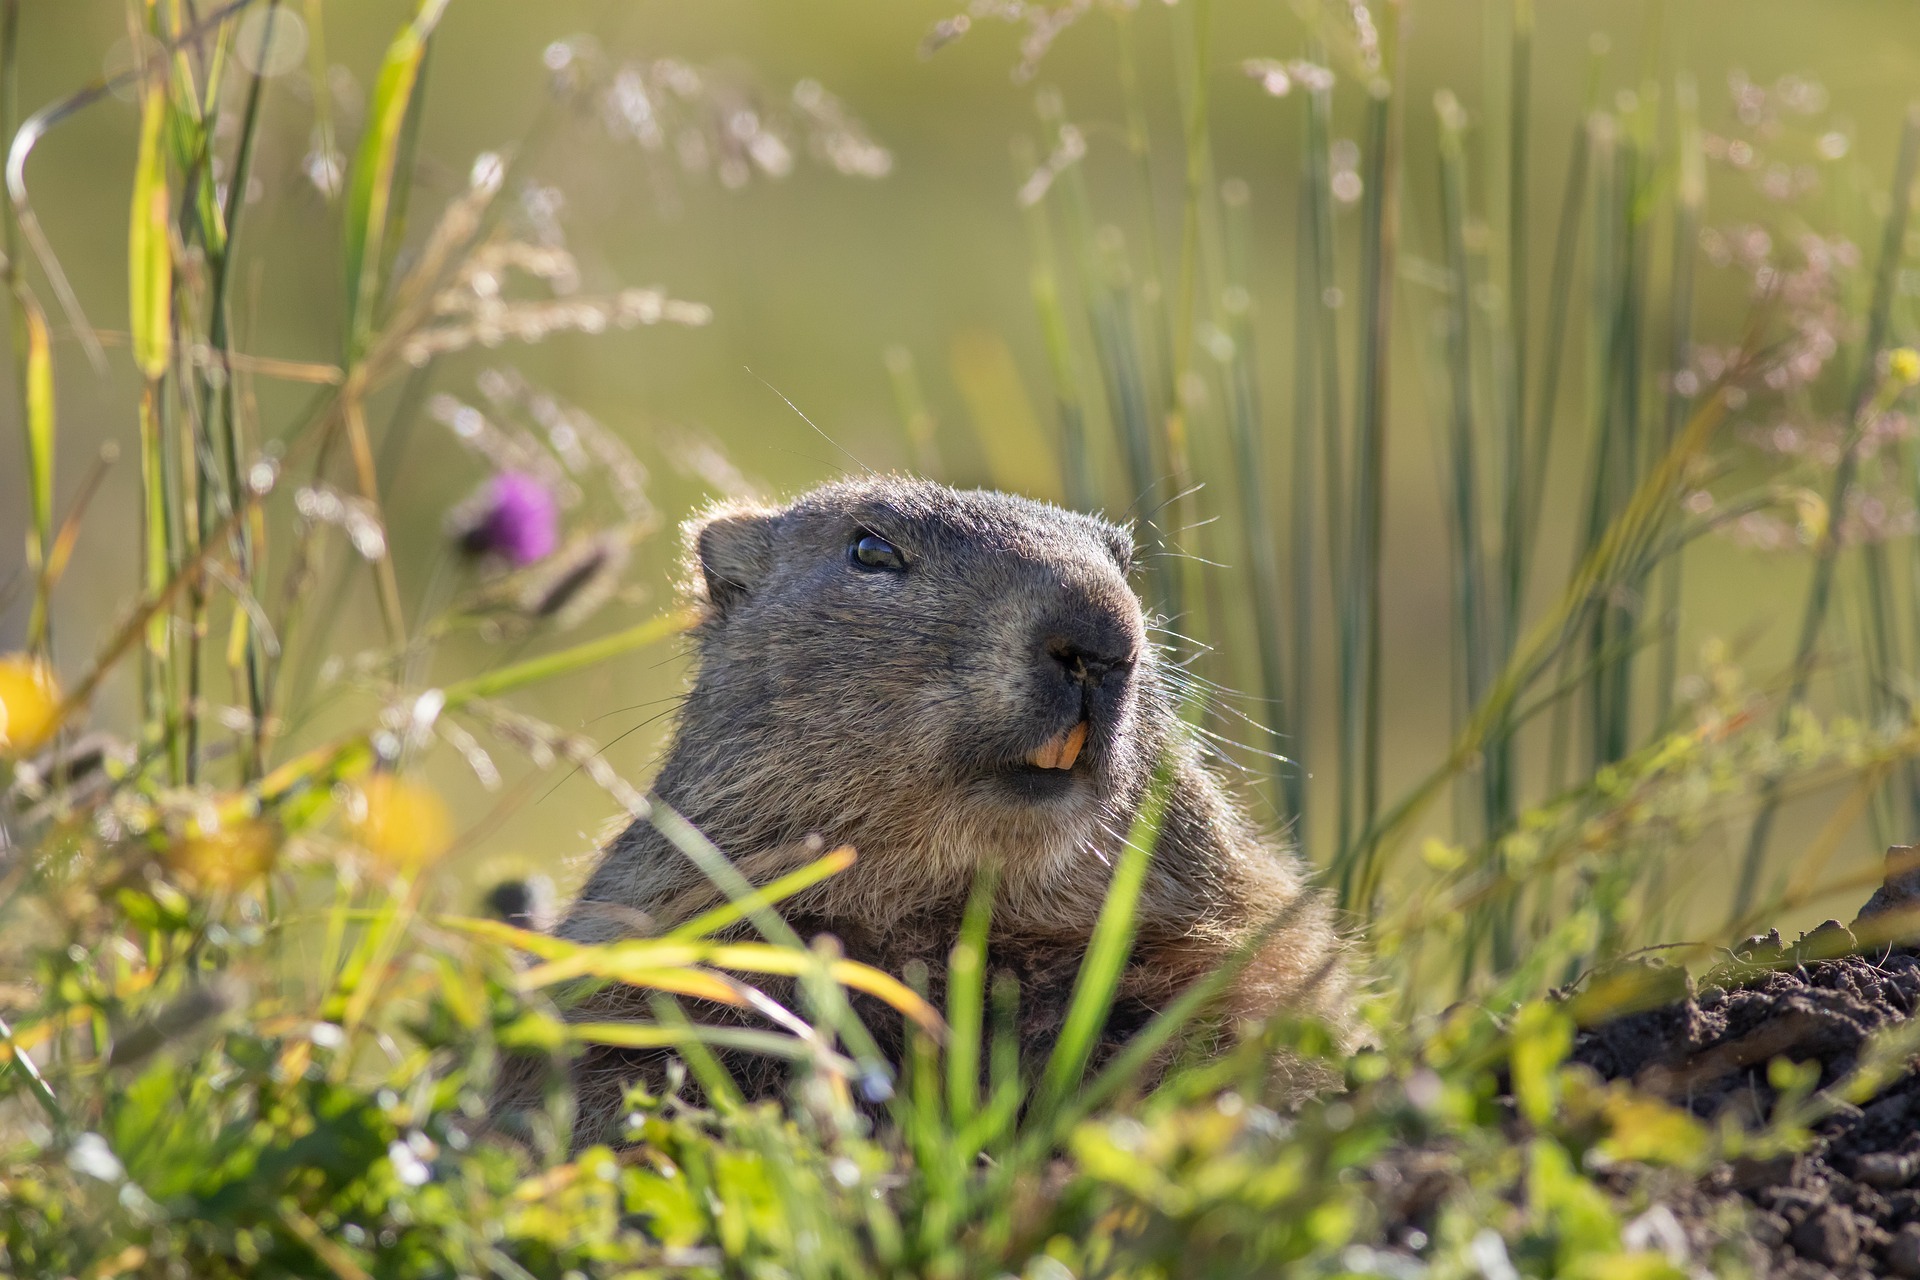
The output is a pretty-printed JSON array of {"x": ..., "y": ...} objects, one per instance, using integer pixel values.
[{"x": 247, "y": 1027}]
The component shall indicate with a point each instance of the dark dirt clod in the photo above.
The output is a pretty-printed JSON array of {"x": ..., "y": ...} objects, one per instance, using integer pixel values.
[
  {"x": 1903, "y": 1254},
  {"x": 1830, "y": 1235},
  {"x": 1901, "y": 891}
]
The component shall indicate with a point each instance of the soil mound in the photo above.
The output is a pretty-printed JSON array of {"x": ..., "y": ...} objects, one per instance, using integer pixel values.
[{"x": 1848, "y": 1206}]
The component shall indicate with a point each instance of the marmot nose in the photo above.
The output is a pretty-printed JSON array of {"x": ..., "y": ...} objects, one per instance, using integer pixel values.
[{"x": 1088, "y": 654}]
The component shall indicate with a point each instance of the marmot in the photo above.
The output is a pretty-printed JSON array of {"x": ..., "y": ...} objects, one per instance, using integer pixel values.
[{"x": 937, "y": 677}]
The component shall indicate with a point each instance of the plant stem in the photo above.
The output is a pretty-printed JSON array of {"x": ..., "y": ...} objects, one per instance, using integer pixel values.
[
  {"x": 1245, "y": 426},
  {"x": 1193, "y": 26},
  {"x": 1379, "y": 263},
  {"x": 1689, "y": 203},
  {"x": 220, "y": 340},
  {"x": 1301, "y": 514}
]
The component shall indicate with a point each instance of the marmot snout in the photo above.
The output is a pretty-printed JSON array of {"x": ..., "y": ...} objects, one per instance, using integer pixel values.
[{"x": 940, "y": 678}]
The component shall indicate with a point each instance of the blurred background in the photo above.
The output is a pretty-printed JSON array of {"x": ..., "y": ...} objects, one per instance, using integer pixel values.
[{"x": 902, "y": 258}]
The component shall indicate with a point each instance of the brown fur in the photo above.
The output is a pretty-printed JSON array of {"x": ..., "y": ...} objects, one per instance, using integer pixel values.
[{"x": 890, "y": 711}]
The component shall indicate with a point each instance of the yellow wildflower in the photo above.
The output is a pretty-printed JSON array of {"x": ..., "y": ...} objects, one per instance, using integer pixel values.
[
  {"x": 227, "y": 857},
  {"x": 402, "y": 823},
  {"x": 1903, "y": 364},
  {"x": 28, "y": 699}
]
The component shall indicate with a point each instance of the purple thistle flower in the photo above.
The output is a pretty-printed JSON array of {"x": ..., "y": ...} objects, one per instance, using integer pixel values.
[{"x": 513, "y": 517}]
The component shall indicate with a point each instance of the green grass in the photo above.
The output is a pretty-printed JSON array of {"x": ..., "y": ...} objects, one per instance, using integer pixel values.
[{"x": 246, "y": 1029}]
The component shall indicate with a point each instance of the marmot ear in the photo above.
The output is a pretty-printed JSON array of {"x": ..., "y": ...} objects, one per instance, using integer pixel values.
[{"x": 733, "y": 549}]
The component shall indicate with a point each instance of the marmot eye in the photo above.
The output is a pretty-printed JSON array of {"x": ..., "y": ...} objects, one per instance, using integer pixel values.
[{"x": 870, "y": 551}]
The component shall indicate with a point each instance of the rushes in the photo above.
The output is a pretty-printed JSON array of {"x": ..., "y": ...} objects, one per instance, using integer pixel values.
[
  {"x": 1508, "y": 333},
  {"x": 1873, "y": 393},
  {"x": 1470, "y": 600},
  {"x": 1498, "y": 421},
  {"x": 1379, "y": 241},
  {"x": 1355, "y": 473}
]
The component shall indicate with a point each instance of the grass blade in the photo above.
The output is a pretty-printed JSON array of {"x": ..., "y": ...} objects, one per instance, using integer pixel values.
[
  {"x": 370, "y": 189},
  {"x": 1508, "y": 318},
  {"x": 1319, "y": 319},
  {"x": 1107, "y": 952},
  {"x": 1470, "y": 603},
  {"x": 638, "y": 1035},
  {"x": 1199, "y": 269},
  {"x": 246, "y": 651},
  {"x": 1519, "y": 115},
  {"x": 710, "y": 922},
  {"x": 1689, "y": 205},
  {"x": 639, "y": 961},
  {"x": 966, "y": 1000},
  {"x": 831, "y": 1005},
  {"x": 548, "y": 666},
  {"x": 1262, "y": 540},
  {"x": 149, "y": 249},
  {"x": 1380, "y": 235},
  {"x": 1301, "y": 514},
  {"x": 16, "y": 1058},
  {"x": 1176, "y": 1017},
  {"x": 37, "y": 366}
]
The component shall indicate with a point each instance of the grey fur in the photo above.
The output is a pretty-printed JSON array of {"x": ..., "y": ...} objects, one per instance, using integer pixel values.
[{"x": 889, "y": 711}]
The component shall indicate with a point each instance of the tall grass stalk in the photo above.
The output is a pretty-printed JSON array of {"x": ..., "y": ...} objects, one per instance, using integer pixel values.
[
  {"x": 1199, "y": 278},
  {"x": 1508, "y": 329},
  {"x": 1560, "y": 296},
  {"x": 1162, "y": 335},
  {"x": 1364, "y": 633},
  {"x": 1619, "y": 327},
  {"x": 1319, "y": 346},
  {"x": 1303, "y": 512},
  {"x": 1690, "y": 197},
  {"x": 1262, "y": 536},
  {"x": 1603, "y": 277},
  {"x": 219, "y": 388},
  {"x": 1474, "y": 642}
]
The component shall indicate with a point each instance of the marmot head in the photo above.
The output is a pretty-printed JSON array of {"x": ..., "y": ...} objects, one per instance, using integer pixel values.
[{"x": 932, "y": 675}]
